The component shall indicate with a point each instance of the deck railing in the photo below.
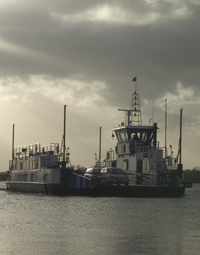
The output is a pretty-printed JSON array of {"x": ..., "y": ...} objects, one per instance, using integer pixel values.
[{"x": 36, "y": 149}]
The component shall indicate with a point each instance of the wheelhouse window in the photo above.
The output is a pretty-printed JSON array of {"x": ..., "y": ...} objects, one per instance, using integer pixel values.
[
  {"x": 135, "y": 136},
  {"x": 147, "y": 135},
  {"x": 121, "y": 135}
]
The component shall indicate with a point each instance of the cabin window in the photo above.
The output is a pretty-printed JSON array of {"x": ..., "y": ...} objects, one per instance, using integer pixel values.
[
  {"x": 42, "y": 162},
  {"x": 21, "y": 165},
  {"x": 22, "y": 177},
  {"x": 117, "y": 135},
  {"x": 125, "y": 135},
  {"x": 145, "y": 164},
  {"x": 30, "y": 165},
  {"x": 126, "y": 165},
  {"x": 32, "y": 177},
  {"x": 123, "y": 148},
  {"x": 144, "y": 136},
  {"x": 121, "y": 135},
  {"x": 34, "y": 165}
]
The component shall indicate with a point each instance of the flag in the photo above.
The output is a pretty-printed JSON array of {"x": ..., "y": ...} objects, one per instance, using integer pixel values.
[{"x": 135, "y": 78}]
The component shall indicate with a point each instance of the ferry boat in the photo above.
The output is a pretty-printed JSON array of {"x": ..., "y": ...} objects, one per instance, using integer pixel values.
[
  {"x": 44, "y": 169},
  {"x": 41, "y": 169},
  {"x": 151, "y": 171}
]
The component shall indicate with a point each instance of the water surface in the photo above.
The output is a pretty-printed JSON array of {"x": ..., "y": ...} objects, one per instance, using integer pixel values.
[{"x": 39, "y": 224}]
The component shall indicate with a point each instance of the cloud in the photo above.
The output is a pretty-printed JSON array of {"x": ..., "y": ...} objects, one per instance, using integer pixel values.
[
  {"x": 135, "y": 13},
  {"x": 9, "y": 97},
  {"x": 85, "y": 54},
  {"x": 71, "y": 91},
  {"x": 181, "y": 95}
]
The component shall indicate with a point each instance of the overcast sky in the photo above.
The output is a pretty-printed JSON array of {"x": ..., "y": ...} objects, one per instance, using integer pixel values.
[{"x": 85, "y": 54}]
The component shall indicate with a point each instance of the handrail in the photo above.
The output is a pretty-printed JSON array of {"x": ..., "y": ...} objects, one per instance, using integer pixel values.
[{"x": 35, "y": 149}]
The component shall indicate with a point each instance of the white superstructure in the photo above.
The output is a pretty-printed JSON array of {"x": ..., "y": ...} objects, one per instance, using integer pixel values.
[{"x": 138, "y": 153}]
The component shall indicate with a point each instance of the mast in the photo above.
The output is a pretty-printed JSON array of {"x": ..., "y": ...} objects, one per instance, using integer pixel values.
[
  {"x": 64, "y": 135},
  {"x": 180, "y": 148},
  {"x": 134, "y": 116},
  {"x": 63, "y": 173},
  {"x": 100, "y": 146},
  {"x": 13, "y": 141},
  {"x": 165, "y": 127},
  {"x": 135, "y": 108},
  {"x": 153, "y": 113},
  {"x": 180, "y": 165}
]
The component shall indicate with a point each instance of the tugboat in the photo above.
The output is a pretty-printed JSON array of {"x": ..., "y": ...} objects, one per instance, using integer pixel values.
[{"x": 150, "y": 170}]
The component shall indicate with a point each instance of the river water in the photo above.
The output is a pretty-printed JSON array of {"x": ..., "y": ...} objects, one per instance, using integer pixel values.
[{"x": 40, "y": 224}]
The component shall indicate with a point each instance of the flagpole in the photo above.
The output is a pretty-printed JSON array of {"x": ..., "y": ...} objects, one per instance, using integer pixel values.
[
  {"x": 136, "y": 84},
  {"x": 135, "y": 80}
]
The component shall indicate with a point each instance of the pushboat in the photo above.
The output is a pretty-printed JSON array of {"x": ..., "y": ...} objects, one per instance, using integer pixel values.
[{"x": 152, "y": 172}]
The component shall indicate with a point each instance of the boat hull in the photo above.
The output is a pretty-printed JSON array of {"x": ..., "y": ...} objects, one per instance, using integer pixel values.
[
  {"x": 140, "y": 191},
  {"x": 99, "y": 191},
  {"x": 32, "y": 187}
]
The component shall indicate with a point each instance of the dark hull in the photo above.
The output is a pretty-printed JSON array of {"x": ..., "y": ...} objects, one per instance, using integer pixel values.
[
  {"x": 31, "y": 187},
  {"x": 140, "y": 191},
  {"x": 103, "y": 191}
]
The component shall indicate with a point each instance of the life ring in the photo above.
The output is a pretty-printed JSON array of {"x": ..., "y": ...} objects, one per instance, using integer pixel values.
[{"x": 132, "y": 149}]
